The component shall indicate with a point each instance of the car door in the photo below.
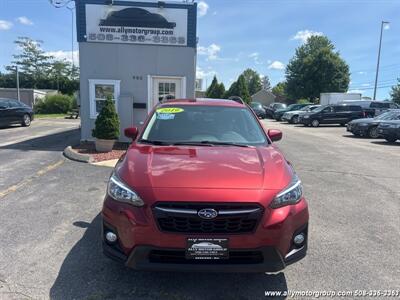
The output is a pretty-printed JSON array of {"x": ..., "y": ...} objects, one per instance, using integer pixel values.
[
  {"x": 327, "y": 115},
  {"x": 4, "y": 112},
  {"x": 15, "y": 112}
]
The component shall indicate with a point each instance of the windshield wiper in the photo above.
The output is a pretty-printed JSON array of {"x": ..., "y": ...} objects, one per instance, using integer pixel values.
[
  {"x": 210, "y": 143},
  {"x": 154, "y": 142}
]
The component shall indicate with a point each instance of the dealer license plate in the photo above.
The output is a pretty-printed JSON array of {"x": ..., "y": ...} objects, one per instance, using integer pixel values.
[{"x": 207, "y": 248}]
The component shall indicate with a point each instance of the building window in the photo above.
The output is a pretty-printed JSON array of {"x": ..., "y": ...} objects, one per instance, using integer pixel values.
[{"x": 99, "y": 90}]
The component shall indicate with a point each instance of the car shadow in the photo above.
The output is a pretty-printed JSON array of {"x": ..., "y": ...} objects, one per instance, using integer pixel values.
[
  {"x": 51, "y": 142},
  {"x": 87, "y": 274},
  {"x": 352, "y": 136},
  {"x": 385, "y": 143}
]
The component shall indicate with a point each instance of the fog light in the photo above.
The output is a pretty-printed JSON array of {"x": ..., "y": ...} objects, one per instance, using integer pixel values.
[
  {"x": 299, "y": 239},
  {"x": 111, "y": 237}
]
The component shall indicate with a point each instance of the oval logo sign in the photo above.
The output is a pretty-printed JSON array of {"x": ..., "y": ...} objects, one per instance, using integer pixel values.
[{"x": 207, "y": 213}]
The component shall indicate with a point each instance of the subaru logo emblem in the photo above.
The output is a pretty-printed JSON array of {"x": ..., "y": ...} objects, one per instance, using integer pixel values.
[{"x": 207, "y": 213}]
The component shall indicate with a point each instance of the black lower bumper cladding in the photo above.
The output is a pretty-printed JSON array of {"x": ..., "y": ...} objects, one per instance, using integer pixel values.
[{"x": 150, "y": 258}]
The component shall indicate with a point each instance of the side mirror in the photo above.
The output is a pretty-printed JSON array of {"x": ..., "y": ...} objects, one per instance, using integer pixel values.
[
  {"x": 274, "y": 134},
  {"x": 131, "y": 132}
]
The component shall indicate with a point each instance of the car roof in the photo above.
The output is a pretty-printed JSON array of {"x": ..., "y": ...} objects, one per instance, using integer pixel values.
[{"x": 202, "y": 102}]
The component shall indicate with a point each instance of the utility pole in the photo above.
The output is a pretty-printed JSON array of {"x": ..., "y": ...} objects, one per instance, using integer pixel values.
[
  {"x": 379, "y": 58},
  {"x": 18, "y": 94}
]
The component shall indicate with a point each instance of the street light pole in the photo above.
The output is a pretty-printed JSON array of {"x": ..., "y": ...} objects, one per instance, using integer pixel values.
[
  {"x": 379, "y": 57},
  {"x": 66, "y": 3},
  {"x": 18, "y": 94},
  {"x": 71, "y": 9}
]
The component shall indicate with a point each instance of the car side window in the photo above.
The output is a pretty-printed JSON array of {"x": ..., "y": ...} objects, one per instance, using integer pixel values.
[
  {"x": 13, "y": 104},
  {"x": 340, "y": 108},
  {"x": 327, "y": 110},
  {"x": 3, "y": 104}
]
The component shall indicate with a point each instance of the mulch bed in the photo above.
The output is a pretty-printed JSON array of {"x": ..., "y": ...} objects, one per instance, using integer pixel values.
[{"x": 89, "y": 148}]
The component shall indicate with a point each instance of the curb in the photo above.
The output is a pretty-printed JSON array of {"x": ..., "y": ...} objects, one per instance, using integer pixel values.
[{"x": 73, "y": 155}]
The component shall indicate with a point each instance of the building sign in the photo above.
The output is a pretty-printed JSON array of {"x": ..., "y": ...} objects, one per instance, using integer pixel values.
[{"x": 136, "y": 25}]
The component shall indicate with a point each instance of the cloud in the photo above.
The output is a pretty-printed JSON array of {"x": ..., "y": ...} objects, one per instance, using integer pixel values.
[
  {"x": 202, "y": 8},
  {"x": 256, "y": 57},
  {"x": 64, "y": 55},
  {"x": 303, "y": 35},
  {"x": 362, "y": 73},
  {"x": 276, "y": 65},
  {"x": 211, "y": 51},
  {"x": 386, "y": 26},
  {"x": 366, "y": 84},
  {"x": 24, "y": 21},
  {"x": 5, "y": 25},
  {"x": 200, "y": 73}
]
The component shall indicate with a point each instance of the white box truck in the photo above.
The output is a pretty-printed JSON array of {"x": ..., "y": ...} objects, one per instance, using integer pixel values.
[{"x": 333, "y": 98}]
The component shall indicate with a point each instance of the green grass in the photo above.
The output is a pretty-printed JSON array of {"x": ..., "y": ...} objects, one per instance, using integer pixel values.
[{"x": 42, "y": 116}]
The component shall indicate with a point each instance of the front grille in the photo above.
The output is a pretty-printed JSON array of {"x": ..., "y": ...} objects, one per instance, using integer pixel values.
[
  {"x": 231, "y": 219},
  {"x": 178, "y": 257}
]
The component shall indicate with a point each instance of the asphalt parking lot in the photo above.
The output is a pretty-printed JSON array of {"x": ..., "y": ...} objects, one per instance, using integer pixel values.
[{"x": 50, "y": 233}]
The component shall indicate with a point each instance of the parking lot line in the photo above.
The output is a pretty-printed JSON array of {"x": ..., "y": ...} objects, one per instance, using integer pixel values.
[{"x": 26, "y": 181}]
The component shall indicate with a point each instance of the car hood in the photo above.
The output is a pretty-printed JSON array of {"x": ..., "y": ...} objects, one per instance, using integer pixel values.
[
  {"x": 365, "y": 120},
  {"x": 296, "y": 112},
  {"x": 205, "y": 167},
  {"x": 390, "y": 122}
]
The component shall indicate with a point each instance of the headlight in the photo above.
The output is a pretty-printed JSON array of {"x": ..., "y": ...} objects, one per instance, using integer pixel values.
[
  {"x": 290, "y": 195},
  {"x": 306, "y": 117},
  {"x": 362, "y": 124},
  {"x": 119, "y": 191},
  {"x": 394, "y": 126}
]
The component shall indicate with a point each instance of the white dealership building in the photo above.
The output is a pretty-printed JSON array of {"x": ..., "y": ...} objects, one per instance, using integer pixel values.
[{"x": 136, "y": 52}]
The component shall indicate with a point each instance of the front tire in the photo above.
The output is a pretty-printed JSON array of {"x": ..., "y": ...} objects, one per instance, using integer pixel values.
[
  {"x": 315, "y": 123},
  {"x": 373, "y": 132},
  {"x": 26, "y": 120}
]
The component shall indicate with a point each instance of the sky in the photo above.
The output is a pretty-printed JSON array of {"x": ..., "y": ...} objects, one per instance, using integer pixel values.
[{"x": 239, "y": 34}]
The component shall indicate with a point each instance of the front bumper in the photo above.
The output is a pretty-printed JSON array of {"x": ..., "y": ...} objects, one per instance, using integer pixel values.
[
  {"x": 357, "y": 130},
  {"x": 269, "y": 248}
]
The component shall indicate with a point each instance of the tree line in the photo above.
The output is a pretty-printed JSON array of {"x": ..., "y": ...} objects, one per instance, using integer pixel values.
[
  {"x": 39, "y": 70},
  {"x": 247, "y": 84},
  {"x": 315, "y": 68}
]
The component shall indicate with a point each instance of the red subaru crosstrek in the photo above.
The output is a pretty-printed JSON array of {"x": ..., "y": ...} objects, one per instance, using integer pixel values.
[{"x": 203, "y": 188}]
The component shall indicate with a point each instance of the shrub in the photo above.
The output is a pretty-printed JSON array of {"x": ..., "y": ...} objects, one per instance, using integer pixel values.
[
  {"x": 303, "y": 101},
  {"x": 54, "y": 104},
  {"x": 107, "y": 122}
]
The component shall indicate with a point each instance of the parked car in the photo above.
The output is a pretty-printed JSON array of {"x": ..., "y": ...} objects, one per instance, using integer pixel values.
[
  {"x": 181, "y": 183},
  {"x": 368, "y": 127},
  {"x": 270, "y": 110},
  {"x": 292, "y": 107},
  {"x": 390, "y": 130},
  {"x": 15, "y": 112},
  {"x": 258, "y": 109},
  {"x": 373, "y": 108},
  {"x": 332, "y": 114},
  {"x": 292, "y": 117}
]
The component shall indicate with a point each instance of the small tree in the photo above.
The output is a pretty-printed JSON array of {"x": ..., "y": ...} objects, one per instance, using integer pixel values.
[
  {"x": 107, "y": 122},
  {"x": 239, "y": 88},
  {"x": 215, "y": 90},
  {"x": 395, "y": 92}
]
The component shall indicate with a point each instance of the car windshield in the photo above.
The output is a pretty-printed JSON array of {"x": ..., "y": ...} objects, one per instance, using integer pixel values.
[
  {"x": 321, "y": 108},
  {"x": 255, "y": 105},
  {"x": 390, "y": 115},
  {"x": 280, "y": 105},
  {"x": 206, "y": 125}
]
